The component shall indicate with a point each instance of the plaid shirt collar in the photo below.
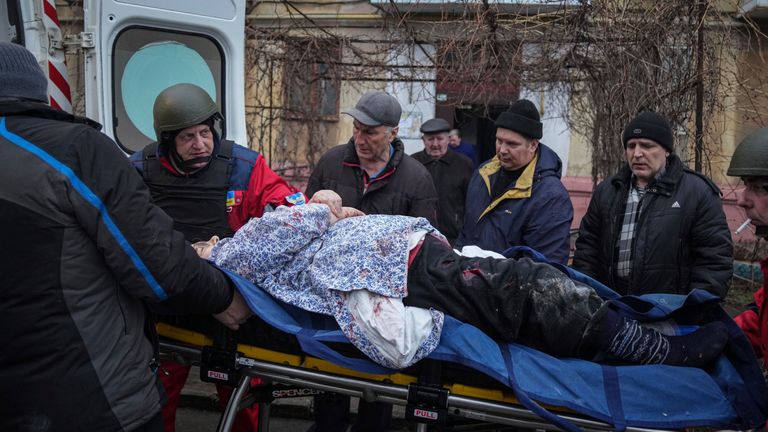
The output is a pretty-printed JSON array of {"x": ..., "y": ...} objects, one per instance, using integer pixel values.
[{"x": 632, "y": 210}]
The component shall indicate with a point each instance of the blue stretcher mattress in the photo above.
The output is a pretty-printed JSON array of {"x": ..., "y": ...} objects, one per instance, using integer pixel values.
[{"x": 729, "y": 394}]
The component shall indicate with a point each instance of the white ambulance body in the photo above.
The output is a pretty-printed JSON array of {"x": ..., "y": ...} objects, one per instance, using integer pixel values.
[{"x": 133, "y": 50}]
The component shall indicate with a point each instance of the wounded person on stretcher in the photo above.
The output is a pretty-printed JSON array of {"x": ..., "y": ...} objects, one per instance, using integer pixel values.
[{"x": 387, "y": 280}]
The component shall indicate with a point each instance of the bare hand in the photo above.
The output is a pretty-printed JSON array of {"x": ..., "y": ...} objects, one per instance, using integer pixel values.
[
  {"x": 331, "y": 199},
  {"x": 205, "y": 248},
  {"x": 236, "y": 313},
  {"x": 350, "y": 212}
]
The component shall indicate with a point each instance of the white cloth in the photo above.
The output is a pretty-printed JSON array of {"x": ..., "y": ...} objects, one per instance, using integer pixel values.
[{"x": 298, "y": 257}]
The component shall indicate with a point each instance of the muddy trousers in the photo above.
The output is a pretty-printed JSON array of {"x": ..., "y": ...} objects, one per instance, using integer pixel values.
[{"x": 510, "y": 300}]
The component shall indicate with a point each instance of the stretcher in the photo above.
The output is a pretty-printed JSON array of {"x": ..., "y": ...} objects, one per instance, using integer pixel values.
[{"x": 470, "y": 377}]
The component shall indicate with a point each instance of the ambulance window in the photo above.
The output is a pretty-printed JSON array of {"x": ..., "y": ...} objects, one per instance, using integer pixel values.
[{"x": 147, "y": 61}]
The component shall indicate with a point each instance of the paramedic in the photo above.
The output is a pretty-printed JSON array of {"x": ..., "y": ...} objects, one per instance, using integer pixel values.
[
  {"x": 750, "y": 162},
  {"x": 78, "y": 352},
  {"x": 209, "y": 186},
  {"x": 371, "y": 173},
  {"x": 517, "y": 198},
  {"x": 320, "y": 262},
  {"x": 656, "y": 226}
]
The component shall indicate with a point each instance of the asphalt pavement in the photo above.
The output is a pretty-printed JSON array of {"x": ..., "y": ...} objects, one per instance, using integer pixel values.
[{"x": 190, "y": 419}]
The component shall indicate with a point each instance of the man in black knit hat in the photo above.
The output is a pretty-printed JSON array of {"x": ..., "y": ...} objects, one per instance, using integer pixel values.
[
  {"x": 517, "y": 198},
  {"x": 655, "y": 226}
]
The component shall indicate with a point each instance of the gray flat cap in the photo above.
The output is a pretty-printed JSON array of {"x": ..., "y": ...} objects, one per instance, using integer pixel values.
[
  {"x": 435, "y": 125},
  {"x": 375, "y": 109}
]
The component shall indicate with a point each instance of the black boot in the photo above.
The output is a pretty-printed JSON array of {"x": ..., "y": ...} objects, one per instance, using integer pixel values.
[{"x": 615, "y": 337}]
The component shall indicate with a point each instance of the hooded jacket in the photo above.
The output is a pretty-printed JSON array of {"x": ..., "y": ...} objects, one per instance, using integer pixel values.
[
  {"x": 681, "y": 241},
  {"x": 85, "y": 252},
  {"x": 404, "y": 186},
  {"x": 535, "y": 211}
]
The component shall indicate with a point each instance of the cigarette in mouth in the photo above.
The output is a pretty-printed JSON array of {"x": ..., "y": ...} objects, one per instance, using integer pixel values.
[{"x": 743, "y": 226}]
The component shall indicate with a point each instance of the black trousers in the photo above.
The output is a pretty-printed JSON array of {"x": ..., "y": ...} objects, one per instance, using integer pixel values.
[
  {"x": 332, "y": 415},
  {"x": 510, "y": 300},
  {"x": 155, "y": 424}
]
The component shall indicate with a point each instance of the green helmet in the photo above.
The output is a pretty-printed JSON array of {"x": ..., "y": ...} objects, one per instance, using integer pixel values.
[
  {"x": 750, "y": 159},
  {"x": 181, "y": 106}
]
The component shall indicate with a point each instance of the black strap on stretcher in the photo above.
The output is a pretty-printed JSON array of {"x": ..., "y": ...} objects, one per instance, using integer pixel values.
[
  {"x": 427, "y": 400},
  {"x": 218, "y": 363}
]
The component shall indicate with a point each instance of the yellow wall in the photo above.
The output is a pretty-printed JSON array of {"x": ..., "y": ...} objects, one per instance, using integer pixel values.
[{"x": 743, "y": 68}]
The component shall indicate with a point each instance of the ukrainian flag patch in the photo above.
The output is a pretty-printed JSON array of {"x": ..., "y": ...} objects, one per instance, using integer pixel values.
[
  {"x": 230, "y": 198},
  {"x": 296, "y": 199}
]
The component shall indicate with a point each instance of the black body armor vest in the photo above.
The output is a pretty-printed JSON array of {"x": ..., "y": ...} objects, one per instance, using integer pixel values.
[{"x": 197, "y": 202}]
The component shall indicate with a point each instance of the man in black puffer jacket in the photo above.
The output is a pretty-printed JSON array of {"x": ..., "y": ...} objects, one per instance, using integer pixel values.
[{"x": 655, "y": 226}]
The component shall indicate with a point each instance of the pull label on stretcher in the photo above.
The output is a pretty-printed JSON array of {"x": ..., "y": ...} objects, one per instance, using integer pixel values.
[
  {"x": 427, "y": 404},
  {"x": 426, "y": 414},
  {"x": 219, "y": 366}
]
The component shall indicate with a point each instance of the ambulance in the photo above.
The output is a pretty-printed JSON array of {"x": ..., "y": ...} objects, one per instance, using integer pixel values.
[{"x": 131, "y": 51}]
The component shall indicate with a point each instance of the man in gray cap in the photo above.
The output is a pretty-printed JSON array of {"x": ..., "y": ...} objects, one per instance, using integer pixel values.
[
  {"x": 450, "y": 172},
  {"x": 92, "y": 252},
  {"x": 517, "y": 198},
  {"x": 372, "y": 173},
  {"x": 655, "y": 226}
]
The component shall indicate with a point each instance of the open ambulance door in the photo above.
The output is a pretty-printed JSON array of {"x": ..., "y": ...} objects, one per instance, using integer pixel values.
[
  {"x": 141, "y": 47},
  {"x": 35, "y": 25}
]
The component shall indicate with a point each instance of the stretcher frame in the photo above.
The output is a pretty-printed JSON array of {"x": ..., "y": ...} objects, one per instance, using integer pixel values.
[{"x": 498, "y": 407}]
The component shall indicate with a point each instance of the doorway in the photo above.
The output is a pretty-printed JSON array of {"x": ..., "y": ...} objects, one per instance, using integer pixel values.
[{"x": 476, "y": 123}]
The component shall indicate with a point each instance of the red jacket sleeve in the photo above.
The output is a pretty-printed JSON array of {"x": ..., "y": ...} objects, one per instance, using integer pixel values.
[
  {"x": 264, "y": 187},
  {"x": 749, "y": 321}
]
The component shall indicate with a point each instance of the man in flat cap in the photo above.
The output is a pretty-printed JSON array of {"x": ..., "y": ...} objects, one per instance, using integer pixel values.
[
  {"x": 655, "y": 226},
  {"x": 517, "y": 198},
  {"x": 372, "y": 173},
  {"x": 450, "y": 172}
]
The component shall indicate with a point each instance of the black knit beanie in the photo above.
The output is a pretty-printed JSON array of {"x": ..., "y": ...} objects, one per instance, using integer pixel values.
[
  {"x": 523, "y": 118},
  {"x": 20, "y": 75},
  {"x": 652, "y": 126}
]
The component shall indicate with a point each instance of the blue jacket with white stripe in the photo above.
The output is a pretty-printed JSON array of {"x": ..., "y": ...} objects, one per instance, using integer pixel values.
[{"x": 85, "y": 251}]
